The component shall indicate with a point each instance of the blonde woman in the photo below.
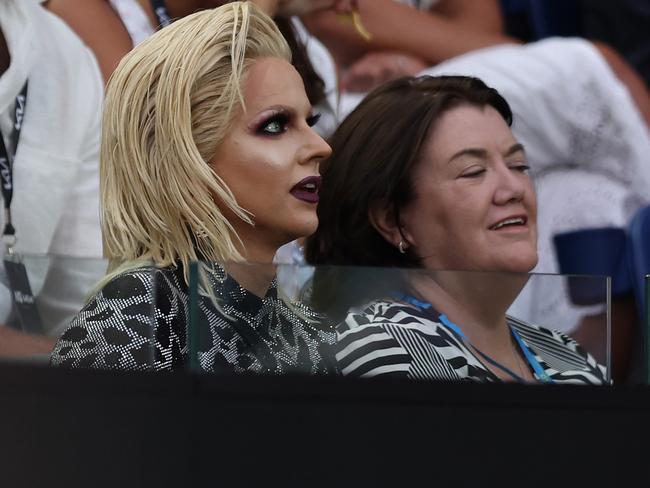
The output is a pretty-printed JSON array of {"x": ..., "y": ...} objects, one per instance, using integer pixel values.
[{"x": 208, "y": 153}]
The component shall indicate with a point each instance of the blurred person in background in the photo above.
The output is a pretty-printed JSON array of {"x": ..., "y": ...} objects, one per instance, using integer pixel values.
[
  {"x": 409, "y": 35},
  {"x": 580, "y": 110},
  {"x": 113, "y": 27},
  {"x": 50, "y": 101}
]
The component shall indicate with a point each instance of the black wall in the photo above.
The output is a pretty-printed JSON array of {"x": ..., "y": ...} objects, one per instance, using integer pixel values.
[{"x": 85, "y": 428}]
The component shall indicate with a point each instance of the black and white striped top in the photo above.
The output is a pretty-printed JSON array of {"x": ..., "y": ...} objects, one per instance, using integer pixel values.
[{"x": 394, "y": 339}]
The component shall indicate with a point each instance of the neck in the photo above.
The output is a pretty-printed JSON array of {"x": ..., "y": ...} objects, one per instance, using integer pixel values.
[
  {"x": 476, "y": 301},
  {"x": 258, "y": 270},
  {"x": 254, "y": 248},
  {"x": 255, "y": 278},
  {"x": 5, "y": 58}
]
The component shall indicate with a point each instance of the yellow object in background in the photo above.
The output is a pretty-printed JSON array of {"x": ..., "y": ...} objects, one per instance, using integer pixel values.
[{"x": 355, "y": 19}]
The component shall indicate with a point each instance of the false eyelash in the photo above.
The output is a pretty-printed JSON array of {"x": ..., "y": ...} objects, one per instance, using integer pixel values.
[{"x": 313, "y": 119}]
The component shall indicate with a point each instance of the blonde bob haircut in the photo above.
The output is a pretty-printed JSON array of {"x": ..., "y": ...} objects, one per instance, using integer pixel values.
[{"x": 169, "y": 104}]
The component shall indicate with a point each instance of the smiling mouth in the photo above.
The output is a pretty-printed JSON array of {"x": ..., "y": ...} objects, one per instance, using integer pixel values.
[
  {"x": 510, "y": 223},
  {"x": 307, "y": 189}
]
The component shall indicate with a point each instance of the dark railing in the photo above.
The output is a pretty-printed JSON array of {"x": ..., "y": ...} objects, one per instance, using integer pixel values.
[{"x": 93, "y": 428}]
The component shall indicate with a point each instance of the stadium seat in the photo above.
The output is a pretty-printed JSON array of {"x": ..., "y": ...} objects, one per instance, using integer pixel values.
[
  {"x": 544, "y": 18},
  {"x": 600, "y": 252},
  {"x": 639, "y": 256}
]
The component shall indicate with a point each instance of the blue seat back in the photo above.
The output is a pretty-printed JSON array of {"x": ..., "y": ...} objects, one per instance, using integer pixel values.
[
  {"x": 639, "y": 255},
  {"x": 547, "y": 18},
  {"x": 599, "y": 251}
]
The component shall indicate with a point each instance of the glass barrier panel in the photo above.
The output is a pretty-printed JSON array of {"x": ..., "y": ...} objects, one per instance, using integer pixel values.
[
  {"x": 405, "y": 323},
  {"x": 577, "y": 305},
  {"x": 67, "y": 311}
]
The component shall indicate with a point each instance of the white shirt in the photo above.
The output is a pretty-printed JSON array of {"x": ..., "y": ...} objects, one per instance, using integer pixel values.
[
  {"x": 134, "y": 19},
  {"x": 55, "y": 207},
  {"x": 324, "y": 65}
]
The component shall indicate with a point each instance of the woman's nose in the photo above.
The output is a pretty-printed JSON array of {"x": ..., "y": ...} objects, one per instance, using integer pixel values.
[
  {"x": 510, "y": 186},
  {"x": 315, "y": 147}
]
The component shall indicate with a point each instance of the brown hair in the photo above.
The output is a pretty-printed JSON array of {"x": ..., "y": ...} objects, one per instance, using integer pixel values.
[{"x": 374, "y": 153}]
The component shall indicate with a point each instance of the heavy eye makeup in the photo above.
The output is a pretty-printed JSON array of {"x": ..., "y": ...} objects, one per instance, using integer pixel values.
[{"x": 278, "y": 122}]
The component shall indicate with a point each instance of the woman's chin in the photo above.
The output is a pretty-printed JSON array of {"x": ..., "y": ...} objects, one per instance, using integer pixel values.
[
  {"x": 301, "y": 229},
  {"x": 523, "y": 263}
]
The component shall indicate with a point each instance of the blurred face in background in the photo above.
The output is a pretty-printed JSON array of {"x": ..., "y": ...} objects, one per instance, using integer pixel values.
[
  {"x": 270, "y": 157},
  {"x": 474, "y": 205}
]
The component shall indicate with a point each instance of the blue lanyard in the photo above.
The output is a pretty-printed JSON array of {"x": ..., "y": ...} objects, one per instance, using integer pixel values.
[
  {"x": 530, "y": 357},
  {"x": 532, "y": 360}
]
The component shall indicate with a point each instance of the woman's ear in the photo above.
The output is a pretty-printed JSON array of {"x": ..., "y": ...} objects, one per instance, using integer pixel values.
[{"x": 385, "y": 220}]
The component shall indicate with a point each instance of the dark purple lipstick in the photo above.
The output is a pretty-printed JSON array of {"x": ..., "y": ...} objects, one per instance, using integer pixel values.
[{"x": 307, "y": 189}]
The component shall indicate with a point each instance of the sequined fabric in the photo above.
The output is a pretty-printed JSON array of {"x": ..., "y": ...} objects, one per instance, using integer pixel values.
[{"x": 140, "y": 321}]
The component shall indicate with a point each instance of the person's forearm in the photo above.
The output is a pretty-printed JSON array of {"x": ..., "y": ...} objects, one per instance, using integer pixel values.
[
  {"x": 99, "y": 27},
  {"x": 15, "y": 343},
  {"x": 400, "y": 28}
]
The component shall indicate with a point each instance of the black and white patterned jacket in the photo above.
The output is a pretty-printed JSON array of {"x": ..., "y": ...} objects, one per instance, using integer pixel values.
[
  {"x": 140, "y": 320},
  {"x": 394, "y": 339}
]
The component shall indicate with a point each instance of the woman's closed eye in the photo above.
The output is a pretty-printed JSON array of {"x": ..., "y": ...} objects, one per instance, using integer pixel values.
[
  {"x": 473, "y": 172},
  {"x": 519, "y": 166}
]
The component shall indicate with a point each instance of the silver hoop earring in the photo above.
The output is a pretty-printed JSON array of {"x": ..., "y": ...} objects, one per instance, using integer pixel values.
[{"x": 400, "y": 246}]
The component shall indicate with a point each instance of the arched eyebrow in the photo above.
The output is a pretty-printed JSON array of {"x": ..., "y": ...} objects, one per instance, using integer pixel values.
[{"x": 483, "y": 154}]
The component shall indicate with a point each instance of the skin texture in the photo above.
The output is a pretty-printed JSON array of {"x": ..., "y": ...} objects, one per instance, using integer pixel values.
[
  {"x": 461, "y": 197},
  {"x": 16, "y": 343},
  {"x": 269, "y": 149},
  {"x": 451, "y": 28},
  {"x": 302, "y": 7},
  {"x": 97, "y": 24}
]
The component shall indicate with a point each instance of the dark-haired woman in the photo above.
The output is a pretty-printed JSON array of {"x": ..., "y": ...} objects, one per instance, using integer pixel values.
[{"x": 426, "y": 174}]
